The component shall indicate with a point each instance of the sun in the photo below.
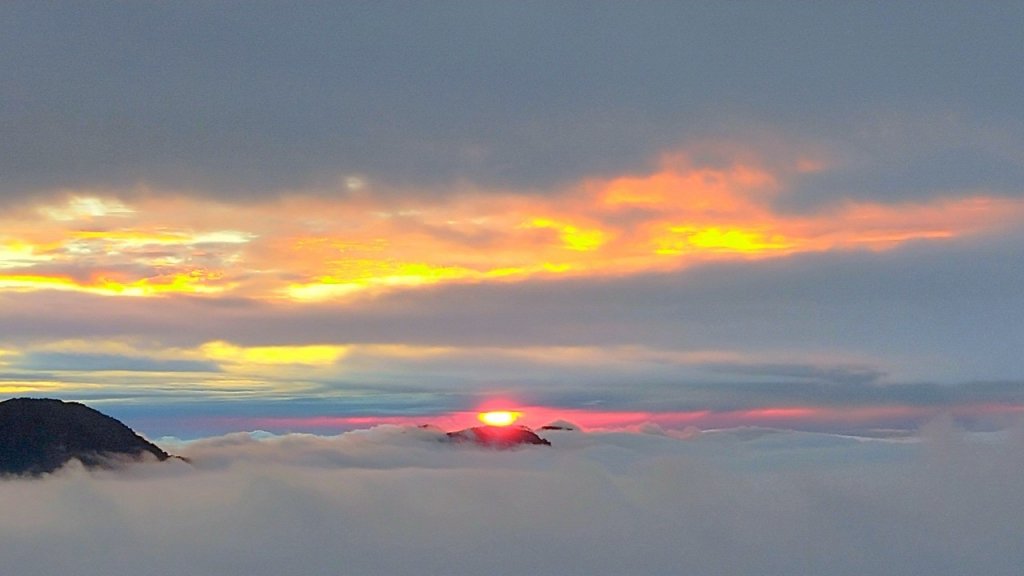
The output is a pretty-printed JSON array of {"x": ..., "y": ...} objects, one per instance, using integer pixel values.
[{"x": 498, "y": 418}]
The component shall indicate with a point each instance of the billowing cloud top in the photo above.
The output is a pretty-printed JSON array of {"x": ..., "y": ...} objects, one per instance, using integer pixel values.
[{"x": 394, "y": 500}]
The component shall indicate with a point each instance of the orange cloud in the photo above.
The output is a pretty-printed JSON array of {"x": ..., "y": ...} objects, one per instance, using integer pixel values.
[
  {"x": 192, "y": 282},
  {"x": 698, "y": 190},
  {"x": 573, "y": 237},
  {"x": 311, "y": 247}
]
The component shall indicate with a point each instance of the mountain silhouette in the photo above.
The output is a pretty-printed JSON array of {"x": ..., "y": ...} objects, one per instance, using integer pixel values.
[
  {"x": 498, "y": 436},
  {"x": 38, "y": 436}
]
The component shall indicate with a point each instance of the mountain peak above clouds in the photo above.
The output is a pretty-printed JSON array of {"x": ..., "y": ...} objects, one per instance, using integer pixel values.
[
  {"x": 498, "y": 436},
  {"x": 38, "y": 436}
]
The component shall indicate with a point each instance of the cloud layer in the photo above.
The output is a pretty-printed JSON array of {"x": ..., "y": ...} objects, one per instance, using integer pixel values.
[{"x": 393, "y": 500}]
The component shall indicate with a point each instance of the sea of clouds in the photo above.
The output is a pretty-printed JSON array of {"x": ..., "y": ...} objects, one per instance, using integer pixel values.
[{"x": 396, "y": 501}]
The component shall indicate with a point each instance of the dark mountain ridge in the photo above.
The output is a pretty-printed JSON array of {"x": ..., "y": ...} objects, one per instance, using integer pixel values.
[
  {"x": 498, "y": 437},
  {"x": 38, "y": 436}
]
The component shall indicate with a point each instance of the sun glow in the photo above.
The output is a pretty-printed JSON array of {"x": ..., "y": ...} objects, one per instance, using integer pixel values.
[{"x": 498, "y": 418}]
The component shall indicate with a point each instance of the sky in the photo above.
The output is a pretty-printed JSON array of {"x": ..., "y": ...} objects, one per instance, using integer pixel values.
[{"x": 221, "y": 217}]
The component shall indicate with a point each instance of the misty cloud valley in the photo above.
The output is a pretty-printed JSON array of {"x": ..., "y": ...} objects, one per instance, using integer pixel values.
[{"x": 393, "y": 500}]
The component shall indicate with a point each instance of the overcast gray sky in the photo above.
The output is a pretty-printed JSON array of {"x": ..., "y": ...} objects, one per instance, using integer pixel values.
[{"x": 407, "y": 209}]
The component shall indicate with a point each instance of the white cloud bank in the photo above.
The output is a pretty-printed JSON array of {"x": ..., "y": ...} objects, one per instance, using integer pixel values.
[{"x": 392, "y": 501}]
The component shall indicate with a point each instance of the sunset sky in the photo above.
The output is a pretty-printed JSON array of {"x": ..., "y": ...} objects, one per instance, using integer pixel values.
[{"x": 241, "y": 216}]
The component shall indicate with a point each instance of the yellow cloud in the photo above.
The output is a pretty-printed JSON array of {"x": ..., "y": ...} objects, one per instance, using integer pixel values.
[
  {"x": 191, "y": 282},
  {"x": 313, "y": 355},
  {"x": 362, "y": 275},
  {"x": 34, "y": 386},
  {"x": 4, "y": 353},
  {"x": 19, "y": 254},
  {"x": 574, "y": 238},
  {"x": 684, "y": 239}
]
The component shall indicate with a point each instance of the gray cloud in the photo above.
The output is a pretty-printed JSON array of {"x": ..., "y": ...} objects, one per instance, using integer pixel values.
[
  {"x": 949, "y": 167},
  {"x": 58, "y": 361},
  {"x": 245, "y": 100},
  {"x": 393, "y": 501},
  {"x": 803, "y": 372}
]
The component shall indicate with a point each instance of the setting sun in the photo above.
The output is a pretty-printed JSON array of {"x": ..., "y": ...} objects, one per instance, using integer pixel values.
[{"x": 498, "y": 418}]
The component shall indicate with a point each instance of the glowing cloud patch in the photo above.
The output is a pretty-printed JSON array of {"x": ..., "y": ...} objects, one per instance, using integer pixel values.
[
  {"x": 574, "y": 238},
  {"x": 4, "y": 352},
  {"x": 190, "y": 282},
  {"x": 20, "y": 255},
  {"x": 138, "y": 238},
  {"x": 314, "y": 355},
  {"x": 692, "y": 238},
  {"x": 194, "y": 282},
  {"x": 693, "y": 188},
  {"x": 363, "y": 275},
  {"x": 87, "y": 207}
]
